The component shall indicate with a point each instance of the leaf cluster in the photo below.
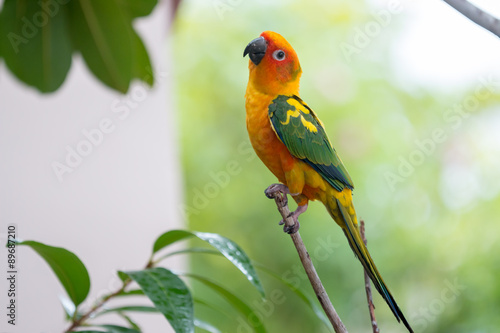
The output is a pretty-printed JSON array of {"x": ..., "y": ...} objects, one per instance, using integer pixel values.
[
  {"x": 166, "y": 289},
  {"x": 39, "y": 38}
]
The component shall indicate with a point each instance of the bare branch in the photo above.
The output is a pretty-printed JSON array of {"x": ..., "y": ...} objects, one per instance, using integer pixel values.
[
  {"x": 476, "y": 15},
  {"x": 368, "y": 287},
  {"x": 338, "y": 326}
]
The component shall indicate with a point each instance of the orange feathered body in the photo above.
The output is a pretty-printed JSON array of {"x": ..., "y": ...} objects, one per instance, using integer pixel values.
[{"x": 300, "y": 178}]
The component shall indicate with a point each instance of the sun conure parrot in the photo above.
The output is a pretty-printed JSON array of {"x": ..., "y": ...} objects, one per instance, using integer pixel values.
[{"x": 291, "y": 141}]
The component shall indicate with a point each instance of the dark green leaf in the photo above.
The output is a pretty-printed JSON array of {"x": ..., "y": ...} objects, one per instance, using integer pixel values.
[
  {"x": 135, "y": 292},
  {"x": 35, "y": 42},
  {"x": 133, "y": 308},
  {"x": 129, "y": 320},
  {"x": 137, "y": 8},
  {"x": 227, "y": 247},
  {"x": 124, "y": 277},
  {"x": 141, "y": 69},
  {"x": 118, "y": 329},
  {"x": 87, "y": 331},
  {"x": 236, "y": 302},
  {"x": 70, "y": 270},
  {"x": 212, "y": 306},
  {"x": 169, "y": 294},
  {"x": 235, "y": 254},
  {"x": 170, "y": 237},
  {"x": 191, "y": 250},
  {"x": 103, "y": 34}
]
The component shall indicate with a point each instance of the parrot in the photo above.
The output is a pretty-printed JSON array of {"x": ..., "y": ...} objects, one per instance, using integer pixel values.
[{"x": 292, "y": 142}]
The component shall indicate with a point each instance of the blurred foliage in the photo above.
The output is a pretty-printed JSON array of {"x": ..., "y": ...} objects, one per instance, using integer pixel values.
[
  {"x": 38, "y": 39},
  {"x": 425, "y": 172}
]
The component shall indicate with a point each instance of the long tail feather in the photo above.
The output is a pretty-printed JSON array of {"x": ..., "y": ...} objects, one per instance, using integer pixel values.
[{"x": 358, "y": 246}]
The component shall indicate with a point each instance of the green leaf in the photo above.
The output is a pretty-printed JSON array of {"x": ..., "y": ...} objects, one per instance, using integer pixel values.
[
  {"x": 205, "y": 326},
  {"x": 141, "y": 69},
  {"x": 169, "y": 294},
  {"x": 129, "y": 320},
  {"x": 135, "y": 292},
  {"x": 236, "y": 302},
  {"x": 130, "y": 308},
  {"x": 190, "y": 250},
  {"x": 103, "y": 34},
  {"x": 35, "y": 42},
  {"x": 227, "y": 247},
  {"x": 111, "y": 329},
  {"x": 170, "y": 237},
  {"x": 137, "y": 8},
  {"x": 118, "y": 329},
  {"x": 212, "y": 306},
  {"x": 70, "y": 270},
  {"x": 234, "y": 254},
  {"x": 123, "y": 277}
]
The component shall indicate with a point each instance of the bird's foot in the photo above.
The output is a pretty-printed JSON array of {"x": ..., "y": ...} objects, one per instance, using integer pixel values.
[
  {"x": 274, "y": 189},
  {"x": 291, "y": 229},
  {"x": 295, "y": 216},
  {"x": 279, "y": 192}
]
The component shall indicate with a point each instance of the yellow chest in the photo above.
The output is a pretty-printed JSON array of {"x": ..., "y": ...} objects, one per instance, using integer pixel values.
[{"x": 265, "y": 142}]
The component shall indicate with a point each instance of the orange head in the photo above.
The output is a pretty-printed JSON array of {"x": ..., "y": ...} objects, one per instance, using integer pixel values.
[{"x": 274, "y": 65}]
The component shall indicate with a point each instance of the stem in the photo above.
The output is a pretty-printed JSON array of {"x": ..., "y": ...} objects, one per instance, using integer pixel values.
[
  {"x": 80, "y": 321},
  {"x": 476, "y": 15},
  {"x": 338, "y": 326},
  {"x": 368, "y": 287}
]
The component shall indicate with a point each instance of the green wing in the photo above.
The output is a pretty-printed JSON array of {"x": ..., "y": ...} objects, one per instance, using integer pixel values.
[{"x": 303, "y": 134}]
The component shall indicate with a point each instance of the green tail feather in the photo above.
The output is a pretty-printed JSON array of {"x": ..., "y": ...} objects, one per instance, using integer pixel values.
[{"x": 358, "y": 246}]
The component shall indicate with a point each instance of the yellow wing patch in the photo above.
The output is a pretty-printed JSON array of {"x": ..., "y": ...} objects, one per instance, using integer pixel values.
[
  {"x": 299, "y": 108},
  {"x": 310, "y": 126},
  {"x": 290, "y": 113}
]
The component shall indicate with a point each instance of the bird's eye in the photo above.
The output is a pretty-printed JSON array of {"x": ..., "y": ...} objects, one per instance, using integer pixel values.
[{"x": 279, "y": 55}]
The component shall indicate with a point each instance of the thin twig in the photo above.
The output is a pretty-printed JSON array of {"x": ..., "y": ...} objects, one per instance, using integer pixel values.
[
  {"x": 476, "y": 15},
  {"x": 338, "y": 326},
  {"x": 368, "y": 287},
  {"x": 77, "y": 322}
]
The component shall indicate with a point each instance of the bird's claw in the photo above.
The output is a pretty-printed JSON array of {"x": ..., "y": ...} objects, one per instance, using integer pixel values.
[
  {"x": 291, "y": 229},
  {"x": 273, "y": 189},
  {"x": 272, "y": 192}
]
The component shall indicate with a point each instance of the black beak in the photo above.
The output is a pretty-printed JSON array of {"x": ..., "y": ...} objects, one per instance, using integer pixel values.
[{"x": 256, "y": 50}]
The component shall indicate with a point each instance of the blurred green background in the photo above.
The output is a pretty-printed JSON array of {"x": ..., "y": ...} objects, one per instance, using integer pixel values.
[{"x": 424, "y": 161}]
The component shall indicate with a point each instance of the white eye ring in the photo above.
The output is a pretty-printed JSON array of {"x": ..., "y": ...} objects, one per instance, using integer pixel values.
[{"x": 279, "y": 55}]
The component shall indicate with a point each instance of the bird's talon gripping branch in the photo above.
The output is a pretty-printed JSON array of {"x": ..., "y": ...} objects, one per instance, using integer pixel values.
[
  {"x": 292, "y": 228},
  {"x": 275, "y": 189}
]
